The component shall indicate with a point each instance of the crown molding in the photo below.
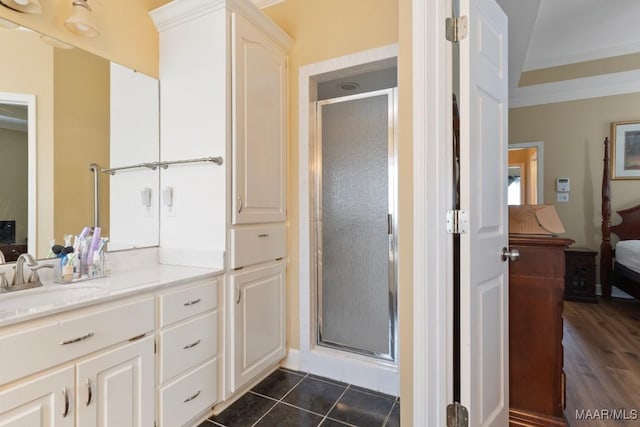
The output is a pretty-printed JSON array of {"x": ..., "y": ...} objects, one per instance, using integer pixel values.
[
  {"x": 571, "y": 90},
  {"x": 179, "y": 12},
  {"x": 577, "y": 57}
]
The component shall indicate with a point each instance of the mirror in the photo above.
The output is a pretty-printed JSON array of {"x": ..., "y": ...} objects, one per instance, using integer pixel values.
[
  {"x": 79, "y": 120},
  {"x": 526, "y": 174}
]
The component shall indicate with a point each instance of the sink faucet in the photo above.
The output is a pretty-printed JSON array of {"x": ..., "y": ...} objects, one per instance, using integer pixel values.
[{"x": 18, "y": 278}]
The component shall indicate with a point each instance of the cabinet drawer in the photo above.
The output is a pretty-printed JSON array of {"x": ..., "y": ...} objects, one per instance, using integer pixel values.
[
  {"x": 189, "y": 395},
  {"x": 68, "y": 337},
  {"x": 255, "y": 244},
  {"x": 188, "y": 344},
  {"x": 187, "y": 302}
]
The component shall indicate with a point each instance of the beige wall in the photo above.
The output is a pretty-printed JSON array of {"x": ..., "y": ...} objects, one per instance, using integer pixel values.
[
  {"x": 405, "y": 210},
  {"x": 81, "y": 134},
  {"x": 33, "y": 74},
  {"x": 572, "y": 133},
  {"x": 127, "y": 34},
  {"x": 356, "y": 25},
  {"x": 13, "y": 180}
]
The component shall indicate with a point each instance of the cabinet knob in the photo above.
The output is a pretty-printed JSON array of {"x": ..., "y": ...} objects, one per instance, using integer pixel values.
[{"x": 511, "y": 255}]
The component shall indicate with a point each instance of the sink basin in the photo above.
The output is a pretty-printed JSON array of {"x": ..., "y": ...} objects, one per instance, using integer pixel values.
[{"x": 46, "y": 297}]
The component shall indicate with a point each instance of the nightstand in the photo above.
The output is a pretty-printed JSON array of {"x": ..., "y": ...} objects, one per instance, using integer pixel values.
[{"x": 580, "y": 275}]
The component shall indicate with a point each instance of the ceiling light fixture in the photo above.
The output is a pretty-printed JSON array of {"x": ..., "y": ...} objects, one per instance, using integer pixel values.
[
  {"x": 348, "y": 86},
  {"x": 24, "y": 6},
  {"x": 81, "y": 21}
]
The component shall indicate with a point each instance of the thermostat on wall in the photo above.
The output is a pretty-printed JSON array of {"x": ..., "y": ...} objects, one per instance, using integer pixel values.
[{"x": 562, "y": 185}]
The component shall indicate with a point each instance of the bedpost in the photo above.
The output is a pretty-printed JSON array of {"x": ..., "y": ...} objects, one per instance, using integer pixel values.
[{"x": 606, "y": 263}]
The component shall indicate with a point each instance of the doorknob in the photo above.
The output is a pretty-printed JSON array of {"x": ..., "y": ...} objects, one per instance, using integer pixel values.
[{"x": 512, "y": 255}]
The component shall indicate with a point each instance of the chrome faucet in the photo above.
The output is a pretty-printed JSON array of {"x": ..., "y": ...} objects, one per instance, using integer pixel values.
[
  {"x": 19, "y": 282},
  {"x": 18, "y": 277}
]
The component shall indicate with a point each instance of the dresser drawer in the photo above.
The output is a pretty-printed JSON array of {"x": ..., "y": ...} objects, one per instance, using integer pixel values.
[
  {"x": 189, "y": 395},
  {"x": 188, "y": 344},
  {"x": 67, "y": 337},
  {"x": 255, "y": 244},
  {"x": 187, "y": 302}
]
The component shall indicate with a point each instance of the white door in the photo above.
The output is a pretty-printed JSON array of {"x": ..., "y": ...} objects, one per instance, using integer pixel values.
[
  {"x": 116, "y": 388},
  {"x": 484, "y": 375},
  {"x": 258, "y": 321},
  {"x": 46, "y": 401}
]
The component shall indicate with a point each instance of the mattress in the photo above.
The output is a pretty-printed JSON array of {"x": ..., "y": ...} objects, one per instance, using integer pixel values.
[{"x": 628, "y": 254}]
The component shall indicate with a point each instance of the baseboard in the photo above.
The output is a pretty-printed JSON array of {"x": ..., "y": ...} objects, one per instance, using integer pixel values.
[{"x": 292, "y": 361}]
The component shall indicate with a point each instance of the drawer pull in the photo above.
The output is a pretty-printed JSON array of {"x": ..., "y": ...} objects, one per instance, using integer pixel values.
[
  {"x": 195, "y": 301},
  {"x": 74, "y": 340},
  {"x": 188, "y": 346},
  {"x": 263, "y": 235},
  {"x": 65, "y": 396},
  {"x": 189, "y": 399},
  {"x": 87, "y": 382}
]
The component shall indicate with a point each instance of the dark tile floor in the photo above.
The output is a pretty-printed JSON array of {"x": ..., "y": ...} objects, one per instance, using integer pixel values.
[{"x": 290, "y": 398}]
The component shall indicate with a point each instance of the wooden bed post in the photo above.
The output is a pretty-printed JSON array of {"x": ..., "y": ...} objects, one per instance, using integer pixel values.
[{"x": 605, "y": 247}]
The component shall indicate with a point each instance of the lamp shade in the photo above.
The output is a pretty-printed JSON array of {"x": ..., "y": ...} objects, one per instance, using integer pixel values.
[
  {"x": 25, "y": 6},
  {"x": 81, "y": 21}
]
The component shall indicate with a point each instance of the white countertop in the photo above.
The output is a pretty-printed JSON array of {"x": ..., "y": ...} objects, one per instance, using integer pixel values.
[{"x": 54, "y": 298}]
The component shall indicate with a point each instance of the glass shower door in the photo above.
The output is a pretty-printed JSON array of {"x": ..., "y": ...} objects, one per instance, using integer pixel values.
[{"x": 355, "y": 224}]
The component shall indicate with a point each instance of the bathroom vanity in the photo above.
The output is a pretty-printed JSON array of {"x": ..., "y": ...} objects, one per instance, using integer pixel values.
[
  {"x": 163, "y": 343},
  {"x": 136, "y": 348}
]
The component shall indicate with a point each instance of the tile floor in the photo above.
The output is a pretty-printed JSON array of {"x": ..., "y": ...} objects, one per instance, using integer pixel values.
[{"x": 290, "y": 398}]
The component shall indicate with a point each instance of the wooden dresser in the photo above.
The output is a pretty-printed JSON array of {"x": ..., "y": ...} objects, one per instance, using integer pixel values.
[
  {"x": 11, "y": 251},
  {"x": 536, "y": 290}
]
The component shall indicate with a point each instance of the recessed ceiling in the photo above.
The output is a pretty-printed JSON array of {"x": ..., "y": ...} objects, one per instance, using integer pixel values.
[{"x": 552, "y": 33}]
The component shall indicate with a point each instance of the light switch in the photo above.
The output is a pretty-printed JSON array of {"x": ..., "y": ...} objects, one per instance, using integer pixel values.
[{"x": 563, "y": 197}]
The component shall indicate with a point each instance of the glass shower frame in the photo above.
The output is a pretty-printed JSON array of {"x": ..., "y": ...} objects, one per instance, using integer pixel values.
[{"x": 316, "y": 176}]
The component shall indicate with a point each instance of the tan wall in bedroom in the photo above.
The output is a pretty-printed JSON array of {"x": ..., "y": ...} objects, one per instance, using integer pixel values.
[
  {"x": 13, "y": 180},
  {"x": 33, "y": 74},
  {"x": 573, "y": 133}
]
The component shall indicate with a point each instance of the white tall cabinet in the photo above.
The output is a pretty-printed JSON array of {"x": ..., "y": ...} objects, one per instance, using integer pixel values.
[{"x": 223, "y": 84}]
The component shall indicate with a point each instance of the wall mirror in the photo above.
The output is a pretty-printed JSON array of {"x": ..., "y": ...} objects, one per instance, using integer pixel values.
[
  {"x": 526, "y": 173},
  {"x": 85, "y": 110}
]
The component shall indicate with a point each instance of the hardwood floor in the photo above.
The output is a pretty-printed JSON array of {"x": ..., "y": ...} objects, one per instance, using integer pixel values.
[{"x": 602, "y": 362}]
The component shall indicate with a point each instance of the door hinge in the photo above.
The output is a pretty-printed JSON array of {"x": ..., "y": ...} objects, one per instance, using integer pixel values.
[
  {"x": 456, "y": 28},
  {"x": 457, "y": 222},
  {"x": 457, "y": 415}
]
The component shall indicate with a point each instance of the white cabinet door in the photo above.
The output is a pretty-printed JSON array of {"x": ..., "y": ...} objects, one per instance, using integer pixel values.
[
  {"x": 46, "y": 401},
  {"x": 116, "y": 388},
  {"x": 259, "y": 130},
  {"x": 258, "y": 329}
]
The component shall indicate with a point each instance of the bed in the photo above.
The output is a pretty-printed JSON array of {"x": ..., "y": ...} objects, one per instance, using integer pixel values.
[{"x": 619, "y": 267}]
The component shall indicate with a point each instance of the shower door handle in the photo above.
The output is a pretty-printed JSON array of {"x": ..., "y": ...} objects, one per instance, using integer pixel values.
[{"x": 389, "y": 224}]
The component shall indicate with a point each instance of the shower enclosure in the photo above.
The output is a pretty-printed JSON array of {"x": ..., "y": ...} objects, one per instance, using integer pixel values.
[{"x": 355, "y": 220}]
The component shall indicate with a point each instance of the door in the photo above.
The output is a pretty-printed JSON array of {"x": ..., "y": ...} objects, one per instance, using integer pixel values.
[
  {"x": 116, "y": 388},
  {"x": 355, "y": 211},
  {"x": 258, "y": 321},
  {"x": 259, "y": 126},
  {"x": 46, "y": 401},
  {"x": 484, "y": 382}
]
